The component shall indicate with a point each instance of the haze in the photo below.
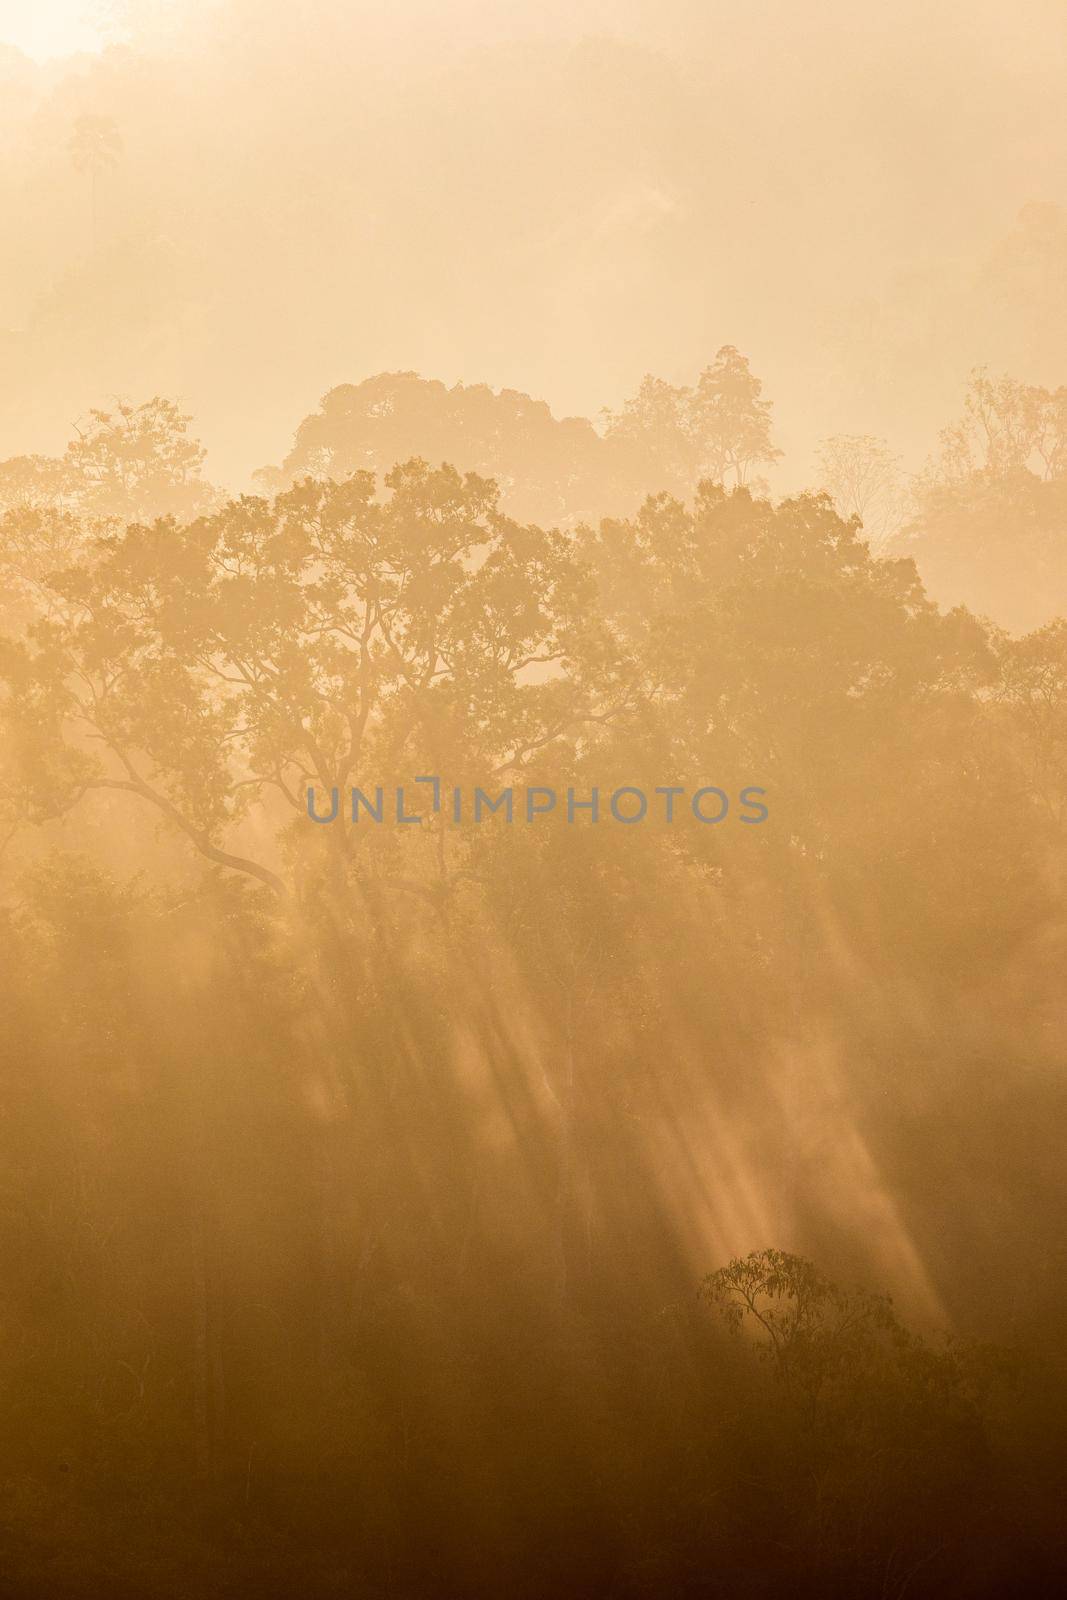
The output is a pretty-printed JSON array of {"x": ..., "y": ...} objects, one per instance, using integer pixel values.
[{"x": 553, "y": 198}]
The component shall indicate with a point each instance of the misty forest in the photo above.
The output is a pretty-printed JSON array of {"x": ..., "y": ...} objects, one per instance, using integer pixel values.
[{"x": 583, "y": 1204}]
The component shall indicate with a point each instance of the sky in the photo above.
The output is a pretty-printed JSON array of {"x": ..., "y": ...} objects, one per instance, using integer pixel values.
[
  {"x": 556, "y": 197},
  {"x": 48, "y": 29}
]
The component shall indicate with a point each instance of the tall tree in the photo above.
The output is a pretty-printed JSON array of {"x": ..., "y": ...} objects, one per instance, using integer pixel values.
[
  {"x": 95, "y": 146},
  {"x": 653, "y": 426},
  {"x": 865, "y": 480},
  {"x": 729, "y": 421}
]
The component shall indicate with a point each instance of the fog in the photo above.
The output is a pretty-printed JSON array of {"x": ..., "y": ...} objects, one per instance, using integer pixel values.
[
  {"x": 533, "y": 778},
  {"x": 553, "y": 198}
]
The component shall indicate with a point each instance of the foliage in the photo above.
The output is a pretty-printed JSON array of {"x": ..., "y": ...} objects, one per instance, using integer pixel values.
[
  {"x": 547, "y": 470},
  {"x": 864, "y": 479},
  {"x": 354, "y": 1177},
  {"x": 991, "y": 510},
  {"x": 719, "y": 429},
  {"x": 138, "y": 462}
]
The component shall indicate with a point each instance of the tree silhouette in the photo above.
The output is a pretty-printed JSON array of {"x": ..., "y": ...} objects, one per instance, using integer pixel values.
[
  {"x": 137, "y": 462},
  {"x": 729, "y": 421},
  {"x": 864, "y": 479},
  {"x": 987, "y": 527},
  {"x": 881, "y": 1433},
  {"x": 549, "y": 470},
  {"x": 277, "y": 645},
  {"x": 1007, "y": 427},
  {"x": 720, "y": 429},
  {"x": 95, "y": 146}
]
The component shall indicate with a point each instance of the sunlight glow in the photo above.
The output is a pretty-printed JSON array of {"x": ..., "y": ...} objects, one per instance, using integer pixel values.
[{"x": 49, "y": 29}]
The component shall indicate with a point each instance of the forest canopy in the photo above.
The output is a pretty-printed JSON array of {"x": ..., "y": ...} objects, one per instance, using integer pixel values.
[
  {"x": 320, "y": 1135},
  {"x": 533, "y": 777}
]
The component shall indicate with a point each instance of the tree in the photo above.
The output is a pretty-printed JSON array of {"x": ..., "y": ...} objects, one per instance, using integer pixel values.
[
  {"x": 35, "y": 543},
  {"x": 1031, "y": 688},
  {"x": 991, "y": 508},
  {"x": 1007, "y": 428},
  {"x": 137, "y": 462},
  {"x": 654, "y": 427},
  {"x": 95, "y": 146},
  {"x": 864, "y": 479},
  {"x": 31, "y": 482},
  {"x": 814, "y": 1333},
  {"x": 772, "y": 630},
  {"x": 549, "y": 470},
  {"x": 718, "y": 430},
  {"x": 315, "y": 640},
  {"x": 883, "y": 1435},
  {"x": 729, "y": 422}
]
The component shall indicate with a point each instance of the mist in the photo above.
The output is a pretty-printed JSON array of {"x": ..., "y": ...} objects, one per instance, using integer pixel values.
[
  {"x": 554, "y": 199},
  {"x": 533, "y": 776}
]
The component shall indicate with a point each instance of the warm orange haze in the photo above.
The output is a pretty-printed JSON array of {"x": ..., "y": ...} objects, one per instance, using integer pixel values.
[{"x": 533, "y": 776}]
